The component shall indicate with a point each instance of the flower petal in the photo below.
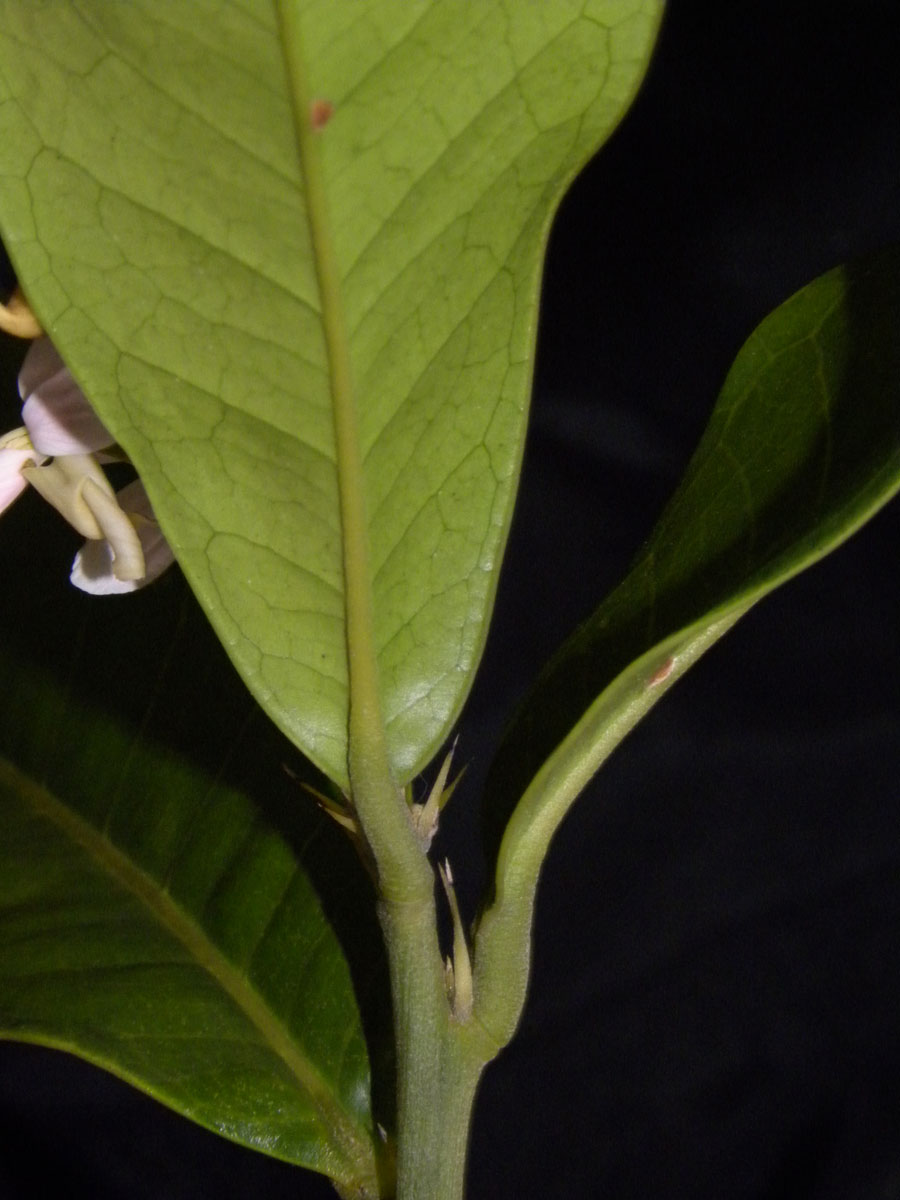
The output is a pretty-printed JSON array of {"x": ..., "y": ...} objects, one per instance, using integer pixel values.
[
  {"x": 16, "y": 453},
  {"x": 94, "y": 569},
  {"x": 56, "y": 412},
  {"x": 12, "y": 481},
  {"x": 17, "y": 318},
  {"x": 118, "y": 530},
  {"x": 61, "y": 483},
  {"x": 158, "y": 556},
  {"x": 40, "y": 363}
]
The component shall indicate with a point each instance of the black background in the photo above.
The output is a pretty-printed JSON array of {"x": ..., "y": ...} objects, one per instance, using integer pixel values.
[{"x": 715, "y": 1007}]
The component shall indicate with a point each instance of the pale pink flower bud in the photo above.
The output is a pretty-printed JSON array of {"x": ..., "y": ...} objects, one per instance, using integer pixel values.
[
  {"x": 16, "y": 452},
  {"x": 56, "y": 412},
  {"x": 12, "y": 481}
]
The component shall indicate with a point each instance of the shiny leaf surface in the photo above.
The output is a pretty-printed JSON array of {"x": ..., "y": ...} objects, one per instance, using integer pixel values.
[
  {"x": 802, "y": 448},
  {"x": 171, "y": 901}
]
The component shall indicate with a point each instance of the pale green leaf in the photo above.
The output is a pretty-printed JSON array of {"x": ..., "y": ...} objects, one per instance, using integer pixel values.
[{"x": 220, "y": 295}]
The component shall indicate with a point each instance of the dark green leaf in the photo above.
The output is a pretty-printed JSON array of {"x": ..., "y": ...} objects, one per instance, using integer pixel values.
[
  {"x": 169, "y": 897},
  {"x": 802, "y": 448}
]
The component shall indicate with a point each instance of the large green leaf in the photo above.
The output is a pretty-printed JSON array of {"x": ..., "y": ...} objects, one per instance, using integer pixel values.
[
  {"x": 802, "y": 448},
  {"x": 151, "y": 922},
  {"x": 227, "y": 283},
  {"x": 177, "y": 944},
  {"x": 170, "y": 900}
]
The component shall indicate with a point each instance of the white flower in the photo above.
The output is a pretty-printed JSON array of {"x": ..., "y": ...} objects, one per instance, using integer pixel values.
[
  {"x": 101, "y": 568},
  {"x": 16, "y": 452},
  {"x": 56, "y": 412},
  {"x": 125, "y": 549}
]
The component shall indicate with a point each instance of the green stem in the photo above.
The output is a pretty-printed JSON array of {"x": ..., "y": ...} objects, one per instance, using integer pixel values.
[{"x": 439, "y": 1061}]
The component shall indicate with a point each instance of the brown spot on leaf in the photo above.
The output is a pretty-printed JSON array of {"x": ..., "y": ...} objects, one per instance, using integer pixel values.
[
  {"x": 661, "y": 673},
  {"x": 320, "y": 112}
]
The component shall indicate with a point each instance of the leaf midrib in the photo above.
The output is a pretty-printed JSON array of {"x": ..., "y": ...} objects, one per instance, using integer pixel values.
[
  {"x": 378, "y": 803},
  {"x": 364, "y": 700},
  {"x": 352, "y": 1149}
]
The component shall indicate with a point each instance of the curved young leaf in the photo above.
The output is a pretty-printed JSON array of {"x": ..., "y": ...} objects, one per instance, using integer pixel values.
[
  {"x": 802, "y": 448},
  {"x": 222, "y": 297}
]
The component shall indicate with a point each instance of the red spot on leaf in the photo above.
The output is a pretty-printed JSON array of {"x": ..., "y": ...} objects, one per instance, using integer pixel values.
[{"x": 320, "y": 112}]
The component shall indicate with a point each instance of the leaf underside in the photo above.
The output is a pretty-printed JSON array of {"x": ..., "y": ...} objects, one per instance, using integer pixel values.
[
  {"x": 802, "y": 448},
  {"x": 155, "y": 208}
]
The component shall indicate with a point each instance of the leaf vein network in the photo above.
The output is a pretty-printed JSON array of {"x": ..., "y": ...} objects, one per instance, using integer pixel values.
[
  {"x": 255, "y": 269},
  {"x": 120, "y": 54}
]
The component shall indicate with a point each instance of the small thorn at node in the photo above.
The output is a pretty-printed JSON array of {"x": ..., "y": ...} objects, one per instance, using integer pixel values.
[
  {"x": 426, "y": 816},
  {"x": 458, "y": 970}
]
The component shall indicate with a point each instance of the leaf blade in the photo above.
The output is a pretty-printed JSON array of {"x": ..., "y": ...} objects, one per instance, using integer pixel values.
[
  {"x": 185, "y": 884},
  {"x": 190, "y": 981},
  {"x": 193, "y": 251},
  {"x": 808, "y": 422}
]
